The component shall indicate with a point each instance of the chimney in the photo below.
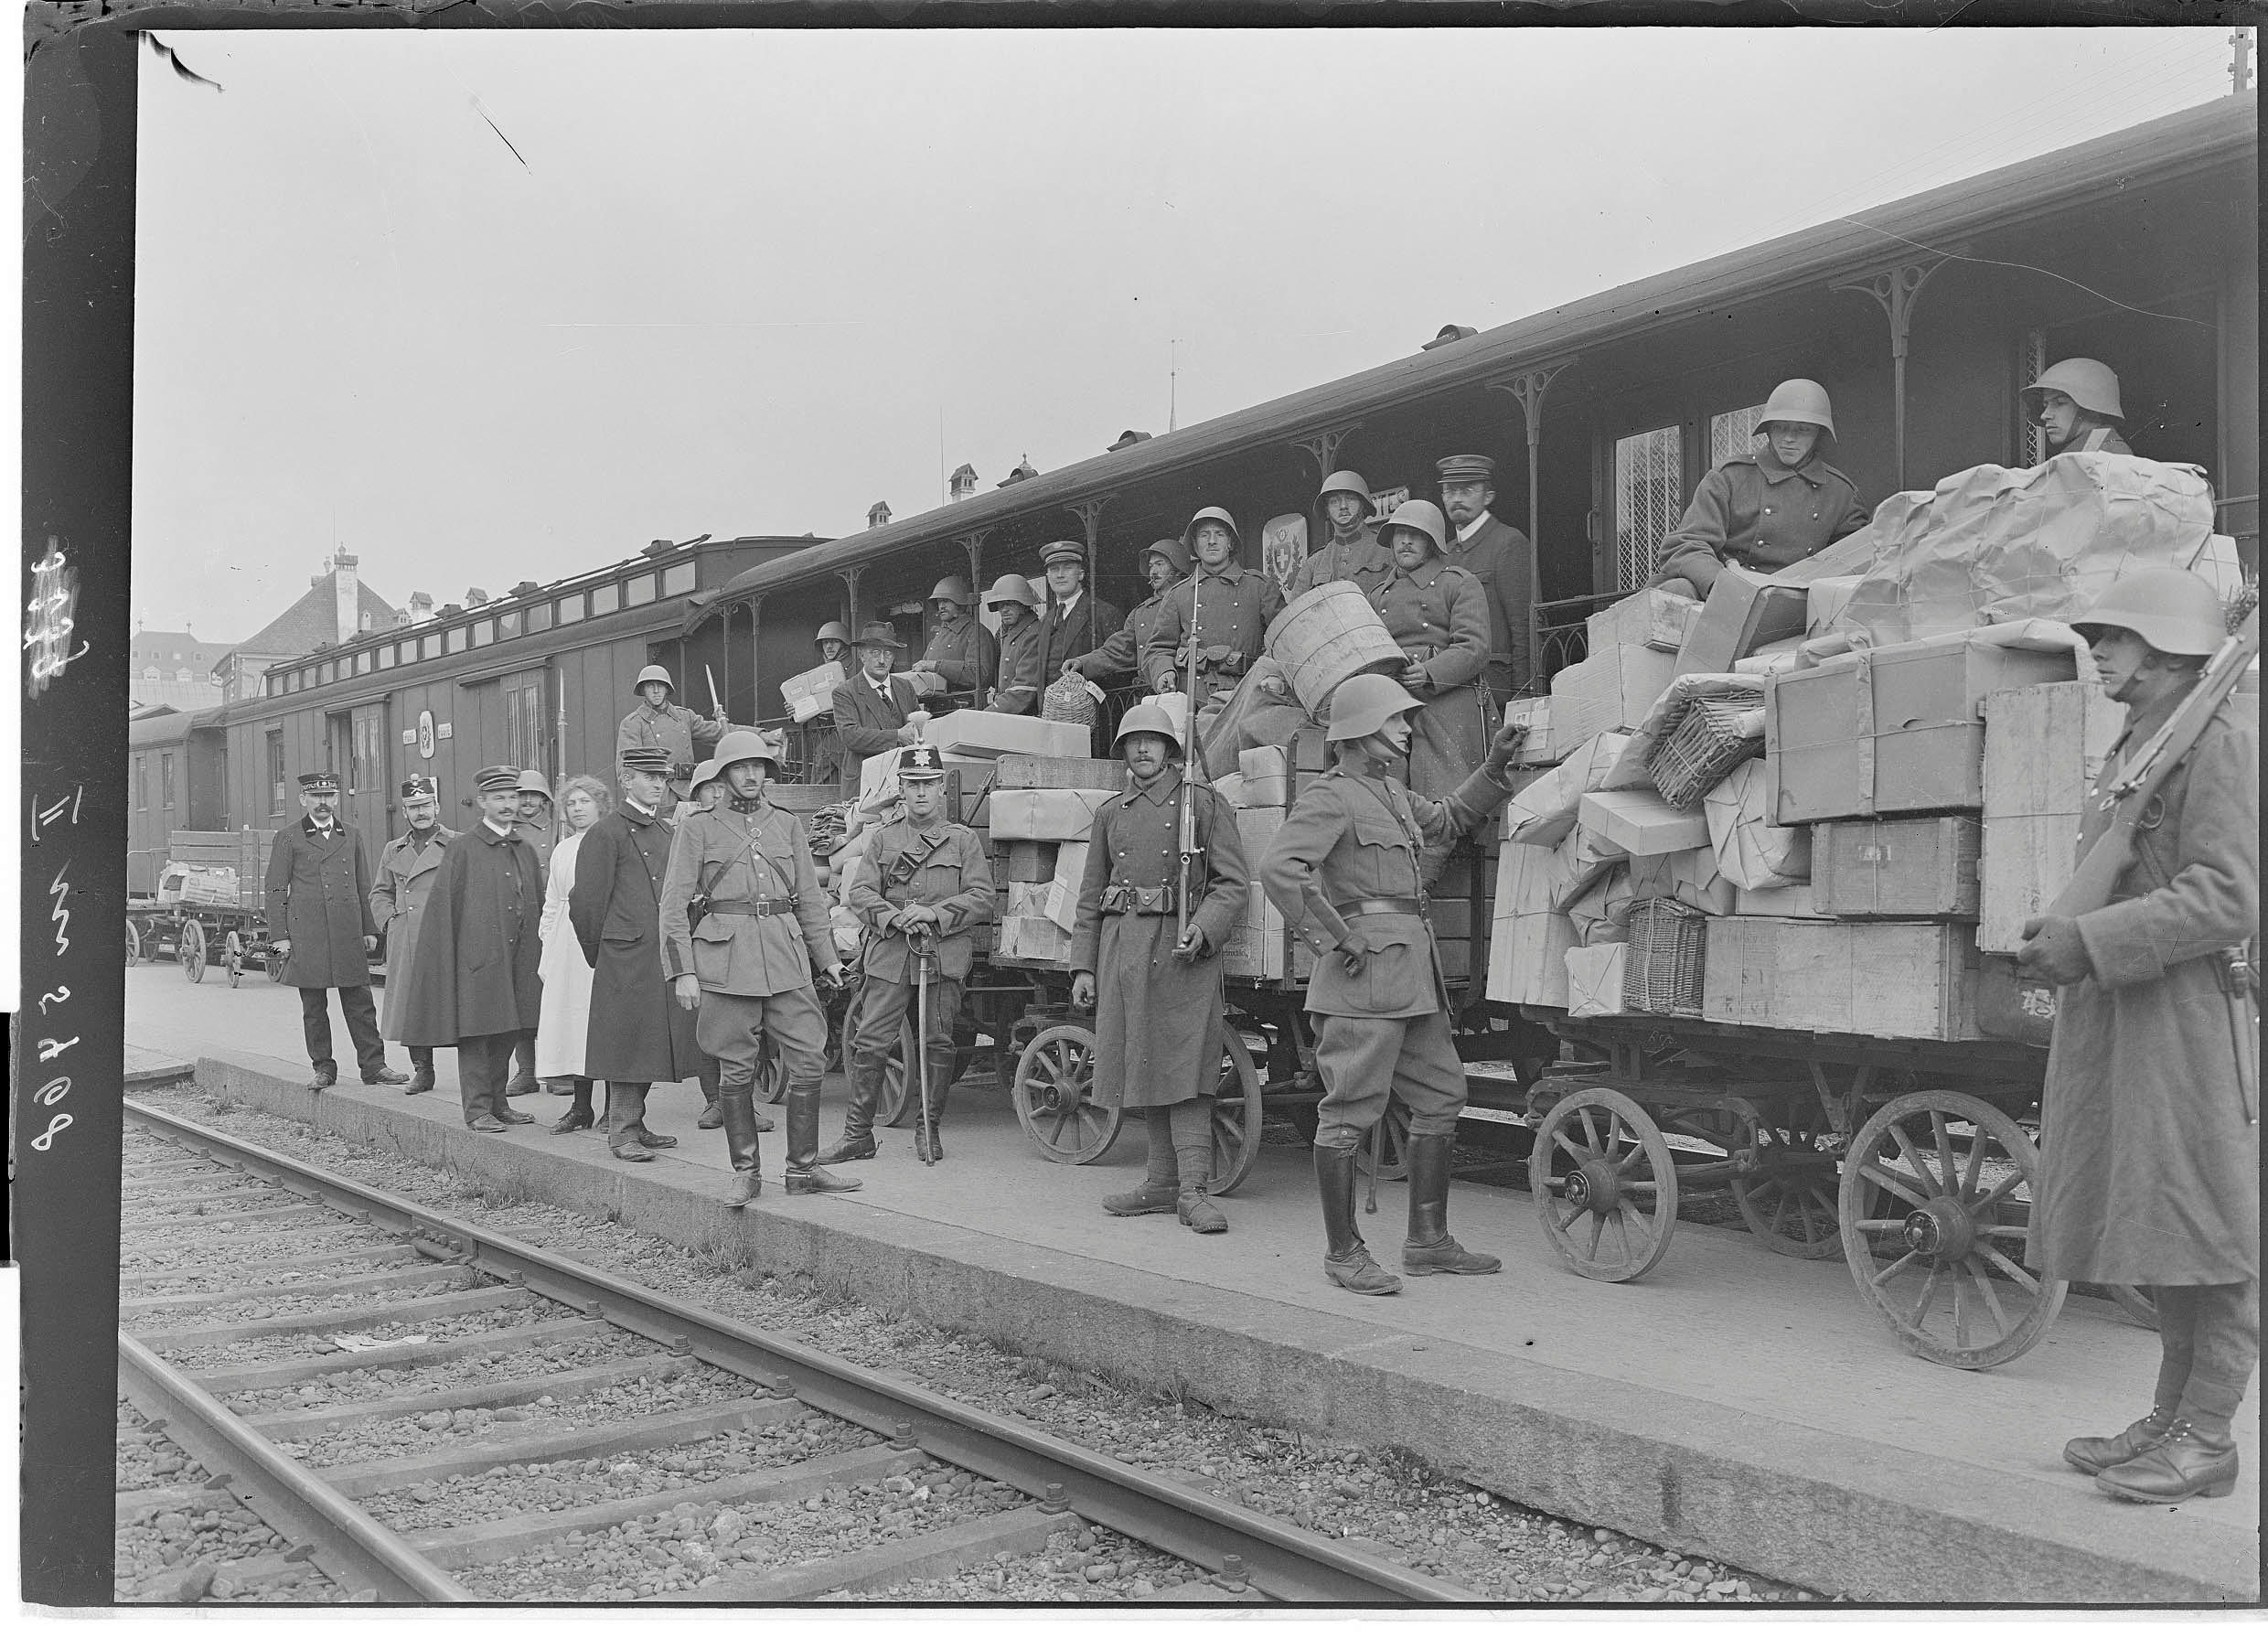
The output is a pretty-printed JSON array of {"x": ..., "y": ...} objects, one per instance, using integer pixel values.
[
  {"x": 349, "y": 585},
  {"x": 421, "y": 606},
  {"x": 878, "y": 514},
  {"x": 475, "y": 596},
  {"x": 964, "y": 481}
]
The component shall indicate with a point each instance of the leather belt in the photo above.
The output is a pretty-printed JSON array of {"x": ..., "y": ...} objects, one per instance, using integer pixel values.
[
  {"x": 1355, "y": 907},
  {"x": 752, "y": 907}
]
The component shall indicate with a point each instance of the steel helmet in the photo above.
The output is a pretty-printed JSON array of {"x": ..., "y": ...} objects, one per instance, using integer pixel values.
[
  {"x": 1798, "y": 401},
  {"x": 1011, "y": 588},
  {"x": 1171, "y": 550},
  {"x": 1422, "y": 516},
  {"x": 955, "y": 590},
  {"x": 704, "y": 773},
  {"x": 1364, "y": 703},
  {"x": 1212, "y": 514},
  {"x": 745, "y": 744},
  {"x": 1344, "y": 483},
  {"x": 2090, "y": 383},
  {"x": 2172, "y": 610},
  {"x": 531, "y": 783},
  {"x": 833, "y": 631},
  {"x": 1148, "y": 717},
  {"x": 653, "y": 674}
]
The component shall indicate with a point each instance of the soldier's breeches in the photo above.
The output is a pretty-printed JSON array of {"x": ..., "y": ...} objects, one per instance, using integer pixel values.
[
  {"x": 1361, "y": 1060},
  {"x": 883, "y": 1008},
  {"x": 730, "y": 1029},
  {"x": 2208, "y": 1341}
]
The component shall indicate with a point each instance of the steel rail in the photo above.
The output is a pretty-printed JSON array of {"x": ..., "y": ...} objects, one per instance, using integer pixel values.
[
  {"x": 351, "y": 1546},
  {"x": 1281, "y": 1560}
]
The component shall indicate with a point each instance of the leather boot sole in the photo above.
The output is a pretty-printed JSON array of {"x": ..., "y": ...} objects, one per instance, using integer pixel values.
[
  {"x": 2212, "y": 1484},
  {"x": 1418, "y": 1262},
  {"x": 1139, "y": 1205},
  {"x": 1363, "y": 1279},
  {"x": 746, "y": 1189},
  {"x": 568, "y": 1123},
  {"x": 842, "y": 1154},
  {"x": 656, "y": 1140},
  {"x": 629, "y": 1153},
  {"x": 800, "y": 1183}
]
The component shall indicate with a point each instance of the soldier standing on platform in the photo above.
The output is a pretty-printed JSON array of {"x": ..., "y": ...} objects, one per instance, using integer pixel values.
[
  {"x": 1164, "y": 564},
  {"x": 2149, "y": 1138},
  {"x": 476, "y": 981},
  {"x": 658, "y": 724},
  {"x": 923, "y": 877},
  {"x": 1017, "y": 691},
  {"x": 871, "y": 707},
  {"x": 1344, "y": 871},
  {"x": 1232, "y": 606},
  {"x": 962, "y": 655},
  {"x": 1157, "y": 991},
  {"x": 1504, "y": 561},
  {"x": 319, "y": 893},
  {"x": 1347, "y": 547},
  {"x": 405, "y": 876},
  {"x": 743, "y": 923},
  {"x": 637, "y": 1037}
]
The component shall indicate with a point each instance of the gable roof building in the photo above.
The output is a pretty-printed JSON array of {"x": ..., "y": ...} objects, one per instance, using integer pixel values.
[{"x": 336, "y": 607}]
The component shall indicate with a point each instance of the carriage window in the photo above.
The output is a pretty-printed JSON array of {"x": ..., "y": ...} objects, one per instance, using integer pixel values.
[
  {"x": 362, "y": 663},
  {"x": 484, "y": 633},
  {"x": 325, "y": 672},
  {"x": 164, "y": 779},
  {"x": 429, "y": 646},
  {"x": 386, "y": 658},
  {"x": 1648, "y": 473},
  {"x": 142, "y": 782},
  {"x": 678, "y": 578},
  {"x": 570, "y": 609},
  {"x": 638, "y": 589},
  {"x": 508, "y": 627},
  {"x": 275, "y": 770},
  {"x": 457, "y": 639},
  {"x": 540, "y": 618},
  {"x": 605, "y": 599},
  {"x": 1734, "y": 433}
]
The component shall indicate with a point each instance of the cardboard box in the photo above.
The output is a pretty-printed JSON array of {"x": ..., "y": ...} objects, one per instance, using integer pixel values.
[
  {"x": 1752, "y": 851},
  {"x": 1614, "y": 689},
  {"x": 1898, "y": 980},
  {"x": 1022, "y": 771},
  {"x": 1530, "y": 879},
  {"x": 818, "y": 683},
  {"x": 1793, "y": 901},
  {"x": 1545, "y": 810},
  {"x": 1743, "y": 612},
  {"x": 1651, "y": 618},
  {"x": 1264, "y": 762},
  {"x": 1594, "y": 980},
  {"x": 967, "y": 780},
  {"x": 1260, "y": 948},
  {"x": 2043, "y": 747},
  {"x": 1031, "y": 861},
  {"x": 1825, "y": 598},
  {"x": 1600, "y": 912},
  {"x": 1231, "y": 787},
  {"x": 1690, "y": 877},
  {"x": 1027, "y": 934},
  {"x": 1641, "y": 823},
  {"x": 1535, "y": 715},
  {"x": 1046, "y": 815},
  {"x": 1527, "y": 961},
  {"x": 1894, "y": 730},
  {"x": 1063, "y": 889},
  {"x": 991, "y": 734},
  {"x": 1265, "y": 790},
  {"x": 1920, "y": 869}
]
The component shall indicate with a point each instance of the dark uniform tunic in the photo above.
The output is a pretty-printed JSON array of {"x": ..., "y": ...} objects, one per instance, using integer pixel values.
[
  {"x": 1157, "y": 1019},
  {"x": 1358, "y": 557},
  {"x": 1348, "y": 856},
  {"x": 638, "y": 1032},
  {"x": 1439, "y": 615},
  {"x": 673, "y": 729},
  {"x": 405, "y": 878},
  {"x": 474, "y": 984},
  {"x": 867, "y": 720},
  {"x": 1067, "y": 637},
  {"x": 1017, "y": 690},
  {"x": 1122, "y": 650},
  {"x": 964, "y": 653},
  {"x": 1233, "y": 606},
  {"x": 1761, "y": 515},
  {"x": 1503, "y": 562},
  {"x": 319, "y": 898},
  {"x": 946, "y": 868}
]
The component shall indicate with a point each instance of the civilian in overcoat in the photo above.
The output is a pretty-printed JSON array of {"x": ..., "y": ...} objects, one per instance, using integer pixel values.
[
  {"x": 405, "y": 877},
  {"x": 319, "y": 887}
]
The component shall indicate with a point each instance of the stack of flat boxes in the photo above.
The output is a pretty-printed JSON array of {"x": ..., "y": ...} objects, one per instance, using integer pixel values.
[
  {"x": 1042, "y": 813},
  {"x": 1266, "y": 782}
]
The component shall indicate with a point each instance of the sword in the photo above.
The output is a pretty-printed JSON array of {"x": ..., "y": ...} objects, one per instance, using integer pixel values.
[
  {"x": 715, "y": 703},
  {"x": 924, "y": 946}
]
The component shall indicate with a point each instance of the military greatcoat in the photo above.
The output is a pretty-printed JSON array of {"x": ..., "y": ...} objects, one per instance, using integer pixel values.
[
  {"x": 1761, "y": 515},
  {"x": 1157, "y": 1022},
  {"x": 1439, "y": 615},
  {"x": 2150, "y": 1169},
  {"x": 964, "y": 654},
  {"x": 636, "y": 1031},
  {"x": 479, "y": 947},
  {"x": 319, "y": 898},
  {"x": 1229, "y": 610},
  {"x": 1017, "y": 693},
  {"x": 1121, "y": 651},
  {"x": 1357, "y": 557},
  {"x": 405, "y": 877},
  {"x": 673, "y": 729}
]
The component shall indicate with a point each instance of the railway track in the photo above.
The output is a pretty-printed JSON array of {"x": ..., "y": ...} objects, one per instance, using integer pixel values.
[{"x": 422, "y": 1410}]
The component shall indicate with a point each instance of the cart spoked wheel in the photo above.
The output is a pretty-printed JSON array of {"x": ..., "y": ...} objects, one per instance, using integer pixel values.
[
  {"x": 1392, "y": 1145},
  {"x": 1055, "y": 1096},
  {"x": 1606, "y": 1184},
  {"x": 1937, "y": 1206},
  {"x": 133, "y": 945},
  {"x": 276, "y": 968},
  {"x": 1235, "y": 1116},
  {"x": 193, "y": 950},
  {"x": 2136, "y": 1303},
  {"x": 232, "y": 954},
  {"x": 1789, "y": 1201}
]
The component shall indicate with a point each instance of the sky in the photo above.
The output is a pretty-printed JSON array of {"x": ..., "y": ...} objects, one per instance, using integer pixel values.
[{"x": 481, "y": 308}]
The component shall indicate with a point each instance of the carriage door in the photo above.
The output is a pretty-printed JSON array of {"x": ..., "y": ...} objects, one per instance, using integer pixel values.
[{"x": 368, "y": 778}]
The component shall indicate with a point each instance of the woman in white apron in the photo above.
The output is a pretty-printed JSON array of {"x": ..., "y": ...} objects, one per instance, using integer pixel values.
[{"x": 565, "y": 1020}]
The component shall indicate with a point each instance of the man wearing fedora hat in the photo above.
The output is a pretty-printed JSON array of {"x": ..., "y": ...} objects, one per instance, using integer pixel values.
[
  {"x": 319, "y": 894},
  {"x": 1016, "y": 604},
  {"x": 871, "y": 706},
  {"x": 475, "y": 982},
  {"x": 1501, "y": 558},
  {"x": 1074, "y": 621},
  {"x": 405, "y": 878}
]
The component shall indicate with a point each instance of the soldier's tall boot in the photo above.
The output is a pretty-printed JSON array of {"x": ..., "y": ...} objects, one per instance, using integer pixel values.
[
  {"x": 626, "y": 1116},
  {"x": 929, "y": 1140},
  {"x": 1191, "y": 1125},
  {"x": 857, "y": 1142},
  {"x": 1162, "y": 1190},
  {"x": 737, "y": 1108},
  {"x": 421, "y": 1071},
  {"x": 1346, "y": 1259},
  {"x": 805, "y": 1174},
  {"x": 1429, "y": 1249}
]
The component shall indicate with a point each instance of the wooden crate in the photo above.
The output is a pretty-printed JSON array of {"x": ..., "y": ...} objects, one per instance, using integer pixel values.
[
  {"x": 1900, "y": 981},
  {"x": 1031, "y": 861},
  {"x": 2043, "y": 745},
  {"x": 1027, "y": 936},
  {"x": 1919, "y": 870},
  {"x": 804, "y": 800},
  {"x": 244, "y": 851},
  {"x": 1025, "y": 772}
]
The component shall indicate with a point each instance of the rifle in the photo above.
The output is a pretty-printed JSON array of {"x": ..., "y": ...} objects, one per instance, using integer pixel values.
[
  {"x": 2129, "y": 791},
  {"x": 1193, "y": 762}
]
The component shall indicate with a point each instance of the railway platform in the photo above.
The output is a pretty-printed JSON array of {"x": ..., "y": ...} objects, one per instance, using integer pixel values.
[{"x": 1734, "y": 1404}]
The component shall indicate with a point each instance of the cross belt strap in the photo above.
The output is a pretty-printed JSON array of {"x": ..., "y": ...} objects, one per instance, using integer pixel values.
[
  {"x": 752, "y": 908},
  {"x": 1355, "y": 907}
]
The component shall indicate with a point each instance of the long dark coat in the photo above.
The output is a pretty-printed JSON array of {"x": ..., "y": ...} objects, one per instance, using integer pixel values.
[
  {"x": 1440, "y": 614},
  {"x": 1158, "y": 1021},
  {"x": 405, "y": 879},
  {"x": 319, "y": 898},
  {"x": 1063, "y": 637},
  {"x": 1505, "y": 563},
  {"x": 479, "y": 949},
  {"x": 2150, "y": 1174},
  {"x": 638, "y": 1032}
]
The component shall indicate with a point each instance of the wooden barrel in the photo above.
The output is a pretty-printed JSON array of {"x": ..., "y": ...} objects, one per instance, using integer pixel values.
[{"x": 1327, "y": 636}]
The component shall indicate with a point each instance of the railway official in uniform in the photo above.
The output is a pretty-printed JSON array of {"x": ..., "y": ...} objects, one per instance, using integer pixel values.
[
  {"x": 2149, "y": 1123},
  {"x": 658, "y": 724},
  {"x": 534, "y": 825},
  {"x": 1224, "y": 609},
  {"x": 1016, "y": 689},
  {"x": 1764, "y": 510},
  {"x": 743, "y": 926},
  {"x": 924, "y": 879},
  {"x": 405, "y": 877},
  {"x": 1156, "y": 991},
  {"x": 2076, "y": 404},
  {"x": 1347, "y": 547},
  {"x": 319, "y": 893},
  {"x": 962, "y": 656},
  {"x": 1164, "y": 564},
  {"x": 1504, "y": 559},
  {"x": 1074, "y": 621},
  {"x": 476, "y": 981},
  {"x": 871, "y": 707},
  {"x": 1440, "y": 614},
  {"x": 637, "y": 1036},
  {"x": 1345, "y": 871}
]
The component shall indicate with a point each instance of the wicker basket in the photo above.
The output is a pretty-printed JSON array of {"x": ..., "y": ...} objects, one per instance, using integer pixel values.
[
  {"x": 1068, "y": 700},
  {"x": 1668, "y": 942},
  {"x": 1709, "y": 742}
]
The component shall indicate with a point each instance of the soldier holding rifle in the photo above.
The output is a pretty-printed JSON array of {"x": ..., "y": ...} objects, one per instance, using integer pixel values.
[{"x": 2150, "y": 1135}]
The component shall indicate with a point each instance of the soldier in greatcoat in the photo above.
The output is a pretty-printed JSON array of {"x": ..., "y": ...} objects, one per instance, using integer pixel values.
[
  {"x": 1164, "y": 565},
  {"x": 1345, "y": 871},
  {"x": 2149, "y": 1123},
  {"x": 925, "y": 878},
  {"x": 476, "y": 982},
  {"x": 743, "y": 924},
  {"x": 1156, "y": 990},
  {"x": 1016, "y": 691},
  {"x": 319, "y": 897},
  {"x": 962, "y": 656},
  {"x": 658, "y": 724},
  {"x": 1439, "y": 613},
  {"x": 405, "y": 876},
  {"x": 1502, "y": 558},
  {"x": 1347, "y": 547},
  {"x": 1224, "y": 609},
  {"x": 871, "y": 706}
]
